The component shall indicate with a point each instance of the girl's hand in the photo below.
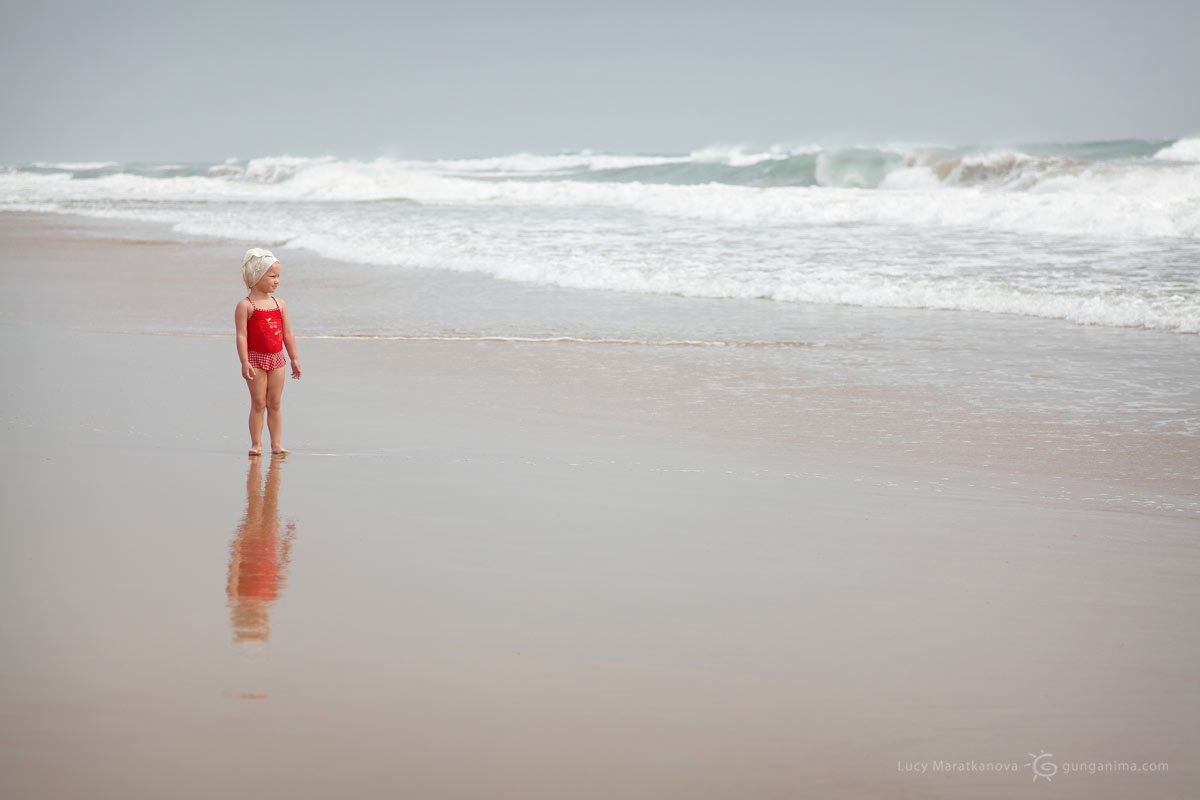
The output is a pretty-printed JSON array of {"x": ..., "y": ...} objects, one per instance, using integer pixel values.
[
  {"x": 295, "y": 369},
  {"x": 248, "y": 371}
]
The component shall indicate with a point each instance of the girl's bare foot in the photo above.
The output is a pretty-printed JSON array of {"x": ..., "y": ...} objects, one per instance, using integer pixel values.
[
  {"x": 279, "y": 451},
  {"x": 256, "y": 451}
]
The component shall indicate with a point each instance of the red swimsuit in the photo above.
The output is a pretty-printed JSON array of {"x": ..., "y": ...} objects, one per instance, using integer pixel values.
[{"x": 264, "y": 338}]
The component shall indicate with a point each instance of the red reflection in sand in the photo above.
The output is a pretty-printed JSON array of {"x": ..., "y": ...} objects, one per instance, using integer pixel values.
[{"x": 258, "y": 556}]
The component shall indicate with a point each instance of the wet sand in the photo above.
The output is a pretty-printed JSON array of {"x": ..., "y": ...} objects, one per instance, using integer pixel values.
[{"x": 459, "y": 585}]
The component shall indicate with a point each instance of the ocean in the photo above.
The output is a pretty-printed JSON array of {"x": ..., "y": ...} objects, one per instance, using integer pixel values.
[
  {"x": 1104, "y": 233},
  {"x": 1055, "y": 280}
]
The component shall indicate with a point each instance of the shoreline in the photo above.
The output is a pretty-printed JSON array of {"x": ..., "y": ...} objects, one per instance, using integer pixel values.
[
  {"x": 547, "y": 562},
  {"x": 779, "y": 405}
]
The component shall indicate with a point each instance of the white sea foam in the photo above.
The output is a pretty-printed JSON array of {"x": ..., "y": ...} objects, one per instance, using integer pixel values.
[
  {"x": 75, "y": 166},
  {"x": 911, "y": 177},
  {"x": 1096, "y": 201},
  {"x": 1182, "y": 150},
  {"x": 267, "y": 170},
  {"x": 1128, "y": 225},
  {"x": 741, "y": 156},
  {"x": 1063, "y": 292},
  {"x": 533, "y": 164}
]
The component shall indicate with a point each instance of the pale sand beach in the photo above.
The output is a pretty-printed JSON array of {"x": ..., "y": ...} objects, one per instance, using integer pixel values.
[{"x": 503, "y": 569}]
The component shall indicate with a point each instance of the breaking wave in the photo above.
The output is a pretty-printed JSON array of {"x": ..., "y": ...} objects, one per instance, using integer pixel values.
[{"x": 1118, "y": 222}]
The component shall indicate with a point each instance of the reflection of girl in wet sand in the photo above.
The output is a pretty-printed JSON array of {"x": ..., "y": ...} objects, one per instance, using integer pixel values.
[{"x": 258, "y": 556}]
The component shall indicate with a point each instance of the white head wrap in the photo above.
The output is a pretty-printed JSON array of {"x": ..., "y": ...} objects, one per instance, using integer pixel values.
[{"x": 255, "y": 264}]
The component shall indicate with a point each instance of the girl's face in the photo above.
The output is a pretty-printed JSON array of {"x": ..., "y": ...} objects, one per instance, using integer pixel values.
[{"x": 269, "y": 282}]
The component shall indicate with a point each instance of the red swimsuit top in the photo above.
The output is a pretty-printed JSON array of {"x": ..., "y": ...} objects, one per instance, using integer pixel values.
[{"x": 264, "y": 330}]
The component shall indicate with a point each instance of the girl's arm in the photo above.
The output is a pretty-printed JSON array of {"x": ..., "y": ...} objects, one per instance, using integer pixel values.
[
  {"x": 240, "y": 315},
  {"x": 289, "y": 340}
]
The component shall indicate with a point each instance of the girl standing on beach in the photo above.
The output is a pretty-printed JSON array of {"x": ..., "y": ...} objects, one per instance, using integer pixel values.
[{"x": 263, "y": 331}]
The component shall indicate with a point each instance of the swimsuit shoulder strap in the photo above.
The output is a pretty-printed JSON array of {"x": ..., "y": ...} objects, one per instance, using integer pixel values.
[{"x": 254, "y": 308}]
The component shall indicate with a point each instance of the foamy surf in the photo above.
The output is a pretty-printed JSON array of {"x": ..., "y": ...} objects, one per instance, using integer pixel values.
[
  {"x": 1100, "y": 233},
  {"x": 1182, "y": 150}
]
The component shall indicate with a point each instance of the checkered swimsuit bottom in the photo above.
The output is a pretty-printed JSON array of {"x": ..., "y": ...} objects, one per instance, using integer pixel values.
[{"x": 267, "y": 361}]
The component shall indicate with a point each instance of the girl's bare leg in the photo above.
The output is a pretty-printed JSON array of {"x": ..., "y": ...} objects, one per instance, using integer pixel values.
[
  {"x": 258, "y": 404},
  {"x": 275, "y": 381}
]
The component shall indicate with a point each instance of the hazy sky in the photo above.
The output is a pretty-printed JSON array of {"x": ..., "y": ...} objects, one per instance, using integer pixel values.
[{"x": 183, "y": 80}]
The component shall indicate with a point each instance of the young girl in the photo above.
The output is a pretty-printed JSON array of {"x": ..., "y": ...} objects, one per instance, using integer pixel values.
[{"x": 263, "y": 330}]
